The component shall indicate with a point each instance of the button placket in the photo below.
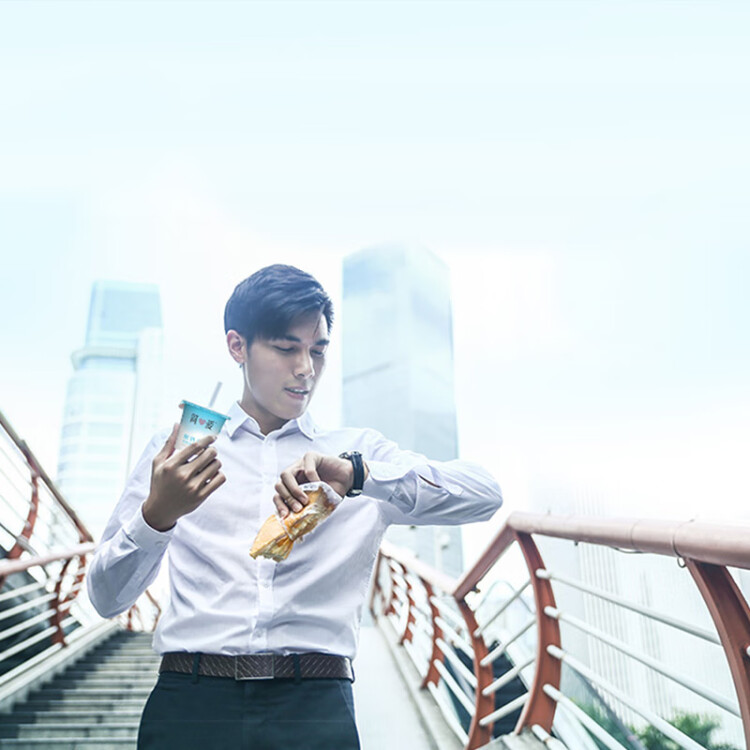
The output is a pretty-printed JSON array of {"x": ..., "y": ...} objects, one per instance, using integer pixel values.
[{"x": 265, "y": 567}]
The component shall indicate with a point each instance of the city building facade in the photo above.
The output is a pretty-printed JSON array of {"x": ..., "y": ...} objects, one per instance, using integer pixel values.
[
  {"x": 398, "y": 368},
  {"x": 113, "y": 397}
]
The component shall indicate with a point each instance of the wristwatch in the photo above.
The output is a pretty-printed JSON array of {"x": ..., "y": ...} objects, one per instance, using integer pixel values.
[{"x": 359, "y": 471}]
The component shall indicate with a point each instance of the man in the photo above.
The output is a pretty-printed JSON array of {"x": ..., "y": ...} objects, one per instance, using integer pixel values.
[{"x": 257, "y": 653}]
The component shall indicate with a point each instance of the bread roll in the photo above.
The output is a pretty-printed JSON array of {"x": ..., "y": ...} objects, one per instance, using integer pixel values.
[{"x": 276, "y": 537}]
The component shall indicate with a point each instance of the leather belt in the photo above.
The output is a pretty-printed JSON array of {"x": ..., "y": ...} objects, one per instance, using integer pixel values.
[{"x": 261, "y": 666}]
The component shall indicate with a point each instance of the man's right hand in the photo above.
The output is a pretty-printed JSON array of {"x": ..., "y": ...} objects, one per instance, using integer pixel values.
[{"x": 178, "y": 484}]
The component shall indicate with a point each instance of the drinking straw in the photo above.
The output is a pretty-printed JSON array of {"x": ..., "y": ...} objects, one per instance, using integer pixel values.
[{"x": 216, "y": 393}]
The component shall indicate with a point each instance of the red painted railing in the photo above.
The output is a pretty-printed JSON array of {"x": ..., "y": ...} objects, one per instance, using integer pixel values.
[
  {"x": 45, "y": 548},
  {"x": 447, "y": 616}
]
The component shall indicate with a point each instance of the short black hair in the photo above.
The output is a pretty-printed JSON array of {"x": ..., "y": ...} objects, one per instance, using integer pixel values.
[{"x": 266, "y": 303}]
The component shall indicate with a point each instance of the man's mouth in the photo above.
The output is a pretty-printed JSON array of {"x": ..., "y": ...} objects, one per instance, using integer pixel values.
[{"x": 298, "y": 392}]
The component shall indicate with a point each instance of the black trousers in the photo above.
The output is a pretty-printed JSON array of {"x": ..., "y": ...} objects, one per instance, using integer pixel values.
[{"x": 186, "y": 712}]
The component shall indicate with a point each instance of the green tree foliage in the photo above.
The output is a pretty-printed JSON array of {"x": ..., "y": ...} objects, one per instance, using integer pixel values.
[
  {"x": 618, "y": 731},
  {"x": 697, "y": 727}
]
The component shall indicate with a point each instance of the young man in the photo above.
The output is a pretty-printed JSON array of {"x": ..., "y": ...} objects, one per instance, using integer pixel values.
[{"x": 257, "y": 653}]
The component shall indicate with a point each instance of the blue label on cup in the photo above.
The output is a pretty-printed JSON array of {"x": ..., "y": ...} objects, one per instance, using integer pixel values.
[{"x": 198, "y": 421}]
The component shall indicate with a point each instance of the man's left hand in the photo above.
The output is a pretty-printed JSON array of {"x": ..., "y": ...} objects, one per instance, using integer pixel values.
[{"x": 312, "y": 467}]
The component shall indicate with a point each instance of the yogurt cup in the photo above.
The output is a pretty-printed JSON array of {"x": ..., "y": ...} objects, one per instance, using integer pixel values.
[{"x": 196, "y": 422}]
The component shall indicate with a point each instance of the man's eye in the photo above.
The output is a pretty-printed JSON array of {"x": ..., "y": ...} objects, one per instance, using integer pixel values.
[
  {"x": 316, "y": 353},
  {"x": 285, "y": 349}
]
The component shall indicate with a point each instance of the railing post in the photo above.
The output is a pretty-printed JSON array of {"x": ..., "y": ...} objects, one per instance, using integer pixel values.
[
  {"x": 390, "y": 607},
  {"x": 376, "y": 588},
  {"x": 484, "y": 704},
  {"x": 157, "y": 608},
  {"x": 411, "y": 605},
  {"x": 57, "y": 616},
  {"x": 540, "y": 708},
  {"x": 433, "y": 676},
  {"x": 731, "y": 616},
  {"x": 28, "y": 527}
]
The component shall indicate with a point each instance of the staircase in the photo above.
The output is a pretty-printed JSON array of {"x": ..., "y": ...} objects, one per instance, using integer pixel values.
[{"x": 94, "y": 703}]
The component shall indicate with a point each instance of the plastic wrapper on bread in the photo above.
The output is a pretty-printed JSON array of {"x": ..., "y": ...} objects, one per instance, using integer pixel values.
[{"x": 277, "y": 536}]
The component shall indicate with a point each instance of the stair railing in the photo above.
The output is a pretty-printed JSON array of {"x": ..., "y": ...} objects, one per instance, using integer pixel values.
[
  {"x": 45, "y": 548},
  {"x": 144, "y": 614},
  {"x": 454, "y": 631}
]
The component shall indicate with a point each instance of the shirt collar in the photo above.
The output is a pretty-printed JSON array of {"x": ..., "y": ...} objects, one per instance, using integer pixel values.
[{"x": 240, "y": 419}]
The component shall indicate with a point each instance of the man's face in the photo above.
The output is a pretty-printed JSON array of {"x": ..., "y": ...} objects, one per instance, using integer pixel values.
[{"x": 281, "y": 374}]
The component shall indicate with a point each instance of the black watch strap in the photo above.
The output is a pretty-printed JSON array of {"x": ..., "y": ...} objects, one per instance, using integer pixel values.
[{"x": 359, "y": 471}]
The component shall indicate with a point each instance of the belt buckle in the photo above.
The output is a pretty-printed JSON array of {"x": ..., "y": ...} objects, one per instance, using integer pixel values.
[{"x": 254, "y": 667}]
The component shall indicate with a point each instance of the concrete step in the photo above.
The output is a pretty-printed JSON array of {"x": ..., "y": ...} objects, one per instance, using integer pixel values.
[
  {"x": 74, "y": 703},
  {"x": 112, "y": 694},
  {"x": 125, "y": 649},
  {"x": 65, "y": 743},
  {"x": 109, "y": 665},
  {"x": 104, "y": 683},
  {"x": 127, "y": 730},
  {"x": 95, "y": 704},
  {"x": 104, "y": 671},
  {"x": 123, "y": 658},
  {"x": 78, "y": 716}
]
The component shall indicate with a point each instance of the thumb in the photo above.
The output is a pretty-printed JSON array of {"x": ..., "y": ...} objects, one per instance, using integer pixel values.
[{"x": 168, "y": 448}]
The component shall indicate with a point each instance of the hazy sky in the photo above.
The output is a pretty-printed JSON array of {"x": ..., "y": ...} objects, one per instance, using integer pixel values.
[{"x": 581, "y": 166}]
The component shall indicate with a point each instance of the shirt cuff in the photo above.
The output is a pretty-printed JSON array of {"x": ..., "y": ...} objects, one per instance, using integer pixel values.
[
  {"x": 143, "y": 536},
  {"x": 383, "y": 479}
]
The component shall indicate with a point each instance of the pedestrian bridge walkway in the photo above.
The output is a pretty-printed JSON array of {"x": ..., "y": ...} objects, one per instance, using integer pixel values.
[
  {"x": 523, "y": 651},
  {"x": 379, "y": 692}
]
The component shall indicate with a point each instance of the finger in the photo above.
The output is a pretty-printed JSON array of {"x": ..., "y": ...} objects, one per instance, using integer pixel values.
[
  {"x": 166, "y": 449},
  {"x": 212, "y": 483},
  {"x": 287, "y": 498},
  {"x": 311, "y": 467},
  {"x": 281, "y": 509},
  {"x": 288, "y": 479},
  {"x": 291, "y": 502},
  {"x": 185, "y": 454},
  {"x": 208, "y": 472},
  {"x": 199, "y": 463}
]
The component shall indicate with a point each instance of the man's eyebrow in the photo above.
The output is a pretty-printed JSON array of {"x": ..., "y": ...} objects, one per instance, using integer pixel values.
[{"x": 296, "y": 340}]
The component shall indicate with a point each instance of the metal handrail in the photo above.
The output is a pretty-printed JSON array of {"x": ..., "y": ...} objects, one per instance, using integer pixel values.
[
  {"x": 620, "y": 601},
  {"x": 674, "y": 734},
  {"x": 37, "y": 468},
  {"x": 707, "y": 551},
  {"x": 646, "y": 660},
  {"x": 42, "y": 599}
]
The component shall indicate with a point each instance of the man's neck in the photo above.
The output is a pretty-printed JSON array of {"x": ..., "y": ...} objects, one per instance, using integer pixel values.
[{"x": 267, "y": 423}]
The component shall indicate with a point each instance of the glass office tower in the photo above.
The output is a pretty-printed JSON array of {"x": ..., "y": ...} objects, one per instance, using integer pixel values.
[
  {"x": 113, "y": 398},
  {"x": 398, "y": 368}
]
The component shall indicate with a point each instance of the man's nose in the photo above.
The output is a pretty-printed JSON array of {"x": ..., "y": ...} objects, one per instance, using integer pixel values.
[{"x": 304, "y": 366}]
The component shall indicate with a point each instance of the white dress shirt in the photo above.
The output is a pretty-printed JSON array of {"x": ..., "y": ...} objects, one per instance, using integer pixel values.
[{"x": 223, "y": 601}]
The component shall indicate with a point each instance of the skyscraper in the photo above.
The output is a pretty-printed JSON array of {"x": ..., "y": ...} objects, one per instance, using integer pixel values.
[
  {"x": 398, "y": 368},
  {"x": 113, "y": 396}
]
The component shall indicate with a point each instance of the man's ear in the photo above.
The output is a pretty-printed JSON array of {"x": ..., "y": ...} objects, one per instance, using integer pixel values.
[{"x": 236, "y": 346}]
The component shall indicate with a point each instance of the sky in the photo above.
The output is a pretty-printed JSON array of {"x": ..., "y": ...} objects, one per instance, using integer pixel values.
[{"x": 581, "y": 167}]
